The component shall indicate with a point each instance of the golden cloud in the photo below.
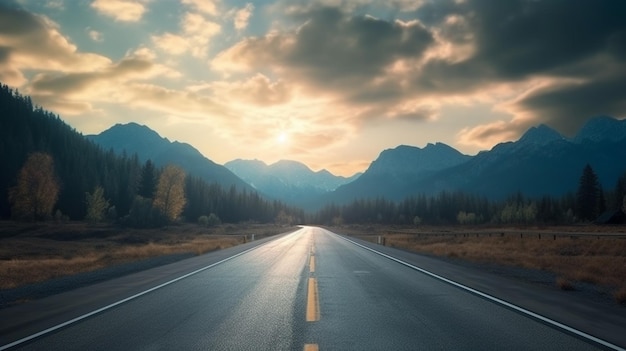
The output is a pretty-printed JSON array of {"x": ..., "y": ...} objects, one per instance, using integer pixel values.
[{"x": 121, "y": 10}]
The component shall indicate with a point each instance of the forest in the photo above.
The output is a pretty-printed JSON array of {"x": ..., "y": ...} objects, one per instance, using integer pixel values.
[
  {"x": 589, "y": 203},
  {"x": 79, "y": 180}
]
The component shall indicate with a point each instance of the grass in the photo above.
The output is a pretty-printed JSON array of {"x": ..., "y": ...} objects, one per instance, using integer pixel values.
[
  {"x": 31, "y": 253},
  {"x": 591, "y": 254}
]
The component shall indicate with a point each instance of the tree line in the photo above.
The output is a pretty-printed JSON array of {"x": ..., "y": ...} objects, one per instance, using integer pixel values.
[
  {"x": 586, "y": 204},
  {"x": 51, "y": 171}
]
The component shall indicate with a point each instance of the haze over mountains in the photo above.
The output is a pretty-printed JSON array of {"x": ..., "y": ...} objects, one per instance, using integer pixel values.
[
  {"x": 541, "y": 162},
  {"x": 290, "y": 181}
]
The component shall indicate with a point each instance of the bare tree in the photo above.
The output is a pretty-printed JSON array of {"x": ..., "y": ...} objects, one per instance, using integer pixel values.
[
  {"x": 170, "y": 192},
  {"x": 37, "y": 189}
]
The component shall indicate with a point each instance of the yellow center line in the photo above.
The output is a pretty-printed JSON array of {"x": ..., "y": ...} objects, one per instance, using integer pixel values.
[
  {"x": 312, "y": 264},
  {"x": 313, "y": 304},
  {"x": 311, "y": 347}
]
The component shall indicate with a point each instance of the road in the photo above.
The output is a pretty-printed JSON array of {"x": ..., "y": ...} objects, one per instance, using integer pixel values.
[{"x": 308, "y": 290}]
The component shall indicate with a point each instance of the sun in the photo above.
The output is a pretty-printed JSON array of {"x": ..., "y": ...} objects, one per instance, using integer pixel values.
[{"x": 282, "y": 138}]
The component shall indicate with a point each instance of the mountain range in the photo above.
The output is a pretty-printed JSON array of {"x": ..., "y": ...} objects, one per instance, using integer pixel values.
[
  {"x": 541, "y": 162},
  {"x": 289, "y": 181}
]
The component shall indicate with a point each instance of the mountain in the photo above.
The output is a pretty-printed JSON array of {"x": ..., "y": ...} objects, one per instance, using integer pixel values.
[
  {"x": 541, "y": 162},
  {"x": 601, "y": 128},
  {"x": 395, "y": 172},
  {"x": 147, "y": 144},
  {"x": 290, "y": 181}
]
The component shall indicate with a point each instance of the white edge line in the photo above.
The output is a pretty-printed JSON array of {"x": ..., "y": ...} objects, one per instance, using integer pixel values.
[
  {"x": 495, "y": 299},
  {"x": 102, "y": 309}
]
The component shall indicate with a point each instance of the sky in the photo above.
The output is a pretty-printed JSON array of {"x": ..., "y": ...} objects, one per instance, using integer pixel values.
[{"x": 330, "y": 83}]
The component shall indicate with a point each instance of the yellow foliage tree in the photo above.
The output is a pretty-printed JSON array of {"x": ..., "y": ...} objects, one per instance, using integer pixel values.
[
  {"x": 97, "y": 205},
  {"x": 37, "y": 189},
  {"x": 170, "y": 192}
]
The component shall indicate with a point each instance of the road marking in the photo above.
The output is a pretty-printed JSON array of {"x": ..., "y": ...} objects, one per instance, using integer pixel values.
[
  {"x": 102, "y": 309},
  {"x": 494, "y": 299},
  {"x": 312, "y": 264},
  {"x": 311, "y": 347},
  {"x": 312, "y": 302}
]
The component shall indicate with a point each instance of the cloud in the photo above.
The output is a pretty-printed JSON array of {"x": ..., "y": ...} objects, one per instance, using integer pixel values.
[
  {"x": 121, "y": 10},
  {"x": 94, "y": 34},
  {"x": 567, "y": 106},
  {"x": 34, "y": 42},
  {"x": 575, "y": 49},
  {"x": 55, "y": 4},
  {"x": 68, "y": 92},
  {"x": 171, "y": 43},
  {"x": 178, "y": 103},
  {"x": 349, "y": 59},
  {"x": 242, "y": 17},
  {"x": 195, "y": 37},
  {"x": 487, "y": 135},
  {"x": 258, "y": 90},
  {"x": 209, "y": 7}
]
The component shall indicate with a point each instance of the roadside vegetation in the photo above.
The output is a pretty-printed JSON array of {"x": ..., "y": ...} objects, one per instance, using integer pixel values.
[
  {"x": 589, "y": 254},
  {"x": 31, "y": 253}
]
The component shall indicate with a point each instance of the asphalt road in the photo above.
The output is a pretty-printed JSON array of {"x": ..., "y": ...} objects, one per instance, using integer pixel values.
[{"x": 308, "y": 290}]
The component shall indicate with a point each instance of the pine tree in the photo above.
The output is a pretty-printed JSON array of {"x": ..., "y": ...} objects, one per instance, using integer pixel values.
[
  {"x": 589, "y": 198},
  {"x": 147, "y": 186}
]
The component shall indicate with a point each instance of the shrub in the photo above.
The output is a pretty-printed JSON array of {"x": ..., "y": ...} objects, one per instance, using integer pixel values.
[
  {"x": 203, "y": 221},
  {"x": 213, "y": 220}
]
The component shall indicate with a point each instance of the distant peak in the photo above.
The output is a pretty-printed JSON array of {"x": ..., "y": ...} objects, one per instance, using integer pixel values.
[
  {"x": 541, "y": 134},
  {"x": 601, "y": 128}
]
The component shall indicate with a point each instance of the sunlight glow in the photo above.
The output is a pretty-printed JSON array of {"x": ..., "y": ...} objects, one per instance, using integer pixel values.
[{"x": 282, "y": 138}]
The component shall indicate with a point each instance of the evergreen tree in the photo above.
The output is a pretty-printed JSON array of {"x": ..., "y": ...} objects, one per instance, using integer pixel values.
[
  {"x": 620, "y": 191},
  {"x": 589, "y": 196},
  {"x": 147, "y": 185},
  {"x": 37, "y": 190}
]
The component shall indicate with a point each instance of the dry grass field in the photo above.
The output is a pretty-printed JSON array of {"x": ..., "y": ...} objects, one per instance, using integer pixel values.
[
  {"x": 32, "y": 253},
  {"x": 591, "y": 254}
]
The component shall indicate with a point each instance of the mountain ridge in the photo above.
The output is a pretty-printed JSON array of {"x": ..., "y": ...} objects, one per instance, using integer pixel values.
[
  {"x": 134, "y": 138},
  {"x": 541, "y": 162},
  {"x": 287, "y": 180}
]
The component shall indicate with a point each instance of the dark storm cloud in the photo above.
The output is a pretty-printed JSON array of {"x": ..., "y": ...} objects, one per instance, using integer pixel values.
[
  {"x": 517, "y": 40},
  {"x": 4, "y": 54},
  {"x": 333, "y": 48},
  {"x": 567, "y": 107},
  {"x": 332, "y": 44}
]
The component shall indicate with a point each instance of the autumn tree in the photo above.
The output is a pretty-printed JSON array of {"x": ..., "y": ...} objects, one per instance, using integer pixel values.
[
  {"x": 169, "y": 197},
  {"x": 97, "y": 205},
  {"x": 37, "y": 189},
  {"x": 589, "y": 198}
]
